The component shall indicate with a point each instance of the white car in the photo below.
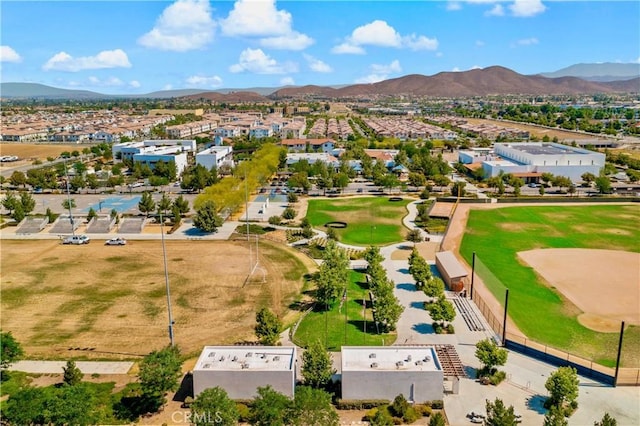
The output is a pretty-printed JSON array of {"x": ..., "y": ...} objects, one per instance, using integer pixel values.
[
  {"x": 76, "y": 239},
  {"x": 117, "y": 241}
]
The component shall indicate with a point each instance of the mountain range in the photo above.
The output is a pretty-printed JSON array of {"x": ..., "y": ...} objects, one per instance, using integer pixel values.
[{"x": 493, "y": 80}]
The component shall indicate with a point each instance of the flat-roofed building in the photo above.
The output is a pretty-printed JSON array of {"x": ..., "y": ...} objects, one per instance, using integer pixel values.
[
  {"x": 385, "y": 372},
  {"x": 452, "y": 271},
  {"x": 241, "y": 370},
  {"x": 215, "y": 156}
]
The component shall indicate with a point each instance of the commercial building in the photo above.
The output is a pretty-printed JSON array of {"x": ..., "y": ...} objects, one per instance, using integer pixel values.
[
  {"x": 151, "y": 151},
  {"x": 215, "y": 156},
  {"x": 385, "y": 372},
  {"x": 451, "y": 270},
  {"x": 241, "y": 370}
]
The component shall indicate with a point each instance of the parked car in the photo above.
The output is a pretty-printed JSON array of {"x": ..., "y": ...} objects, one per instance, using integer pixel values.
[
  {"x": 76, "y": 239},
  {"x": 117, "y": 241}
]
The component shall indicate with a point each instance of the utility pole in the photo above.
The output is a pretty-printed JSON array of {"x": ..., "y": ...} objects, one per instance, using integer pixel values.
[
  {"x": 73, "y": 230},
  {"x": 166, "y": 280}
]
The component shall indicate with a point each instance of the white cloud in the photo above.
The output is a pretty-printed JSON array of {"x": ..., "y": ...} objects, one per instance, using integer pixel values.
[
  {"x": 287, "y": 81},
  {"x": 380, "y": 33},
  {"x": 135, "y": 84},
  {"x": 316, "y": 64},
  {"x": 476, "y": 67},
  {"x": 637, "y": 60},
  {"x": 455, "y": 69},
  {"x": 109, "y": 82},
  {"x": 168, "y": 87},
  {"x": 185, "y": 25},
  {"x": 497, "y": 10},
  {"x": 453, "y": 5},
  {"x": 380, "y": 72},
  {"x": 347, "y": 48},
  {"x": 526, "y": 41},
  {"x": 256, "y": 61},
  {"x": 202, "y": 81},
  {"x": 292, "y": 41},
  {"x": 62, "y": 61},
  {"x": 526, "y": 8},
  {"x": 7, "y": 54}
]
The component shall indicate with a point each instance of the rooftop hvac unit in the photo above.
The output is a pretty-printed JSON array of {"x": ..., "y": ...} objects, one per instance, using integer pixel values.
[
  {"x": 249, "y": 354},
  {"x": 399, "y": 364},
  {"x": 418, "y": 362},
  {"x": 212, "y": 355},
  {"x": 374, "y": 365},
  {"x": 408, "y": 358},
  {"x": 372, "y": 355},
  {"x": 222, "y": 358},
  {"x": 234, "y": 359},
  {"x": 206, "y": 366},
  {"x": 427, "y": 358},
  {"x": 245, "y": 365},
  {"x": 276, "y": 358}
]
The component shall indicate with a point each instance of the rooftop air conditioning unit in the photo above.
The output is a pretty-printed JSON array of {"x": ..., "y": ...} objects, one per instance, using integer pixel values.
[
  {"x": 249, "y": 354},
  {"x": 374, "y": 365},
  {"x": 399, "y": 364},
  {"x": 372, "y": 355},
  {"x": 234, "y": 359}
]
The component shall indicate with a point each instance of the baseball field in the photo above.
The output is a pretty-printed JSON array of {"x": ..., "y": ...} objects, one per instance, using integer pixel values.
[{"x": 573, "y": 274}]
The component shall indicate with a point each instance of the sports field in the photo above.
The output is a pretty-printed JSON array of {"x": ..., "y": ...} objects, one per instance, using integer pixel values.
[
  {"x": 539, "y": 308},
  {"x": 370, "y": 220},
  {"x": 99, "y": 301}
]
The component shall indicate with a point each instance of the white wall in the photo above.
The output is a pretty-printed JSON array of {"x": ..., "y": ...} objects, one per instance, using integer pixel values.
[
  {"x": 243, "y": 384},
  {"x": 418, "y": 386}
]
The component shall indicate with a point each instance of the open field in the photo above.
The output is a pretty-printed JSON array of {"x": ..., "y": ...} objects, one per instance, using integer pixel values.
[
  {"x": 370, "y": 220},
  {"x": 96, "y": 301},
  {"x": 33, "y": 151},
  {"x": 539, "y": 309},
  {"x": 537, "y": 131},
  {"x": 329, "y": 326}
]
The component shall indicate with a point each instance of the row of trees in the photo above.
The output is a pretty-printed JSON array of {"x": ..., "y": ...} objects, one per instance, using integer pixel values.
[{"x": 386, "y": 306}]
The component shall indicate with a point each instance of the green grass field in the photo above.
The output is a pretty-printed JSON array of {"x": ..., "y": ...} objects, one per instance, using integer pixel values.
[
  {"x": 497, "y": 235},
  {"x": 329, "y": 326},
  {"x": 370, "y": 220}
]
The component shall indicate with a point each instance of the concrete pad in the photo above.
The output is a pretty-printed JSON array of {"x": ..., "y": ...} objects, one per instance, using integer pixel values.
[{"x": 87, "y": 367}]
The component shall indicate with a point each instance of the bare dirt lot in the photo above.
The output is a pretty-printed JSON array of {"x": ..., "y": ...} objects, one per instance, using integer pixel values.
[
  {"x": 97, "y": 301},
  {"x": 604, "y": 297},
  {"x": 537, "y": 131},
  {"x": 28, "y": 153}
]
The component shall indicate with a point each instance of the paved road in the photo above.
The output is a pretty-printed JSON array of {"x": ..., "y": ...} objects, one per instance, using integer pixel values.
[{"x": 87, "y": 367}]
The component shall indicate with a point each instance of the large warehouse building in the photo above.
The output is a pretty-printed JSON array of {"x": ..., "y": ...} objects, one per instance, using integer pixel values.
[
  {"x": 241, "y": 370},
  {"x": 529, "y": 160},
  {"x": 386, "y": 372}
]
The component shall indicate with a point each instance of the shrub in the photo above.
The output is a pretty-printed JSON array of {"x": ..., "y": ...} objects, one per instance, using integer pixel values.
[
  {"x": 497, "y": 377},
  {"x": 360, "y": 404},
  {"x": 424, "y": 195},
  {"x": 289, "y": 213},
  {"x": 436, "y": 404},
  {"x": 275, "y": 220},
  {"x": 292, "y": 197},
  {"x": 423, "y": 410},
  {"x": 370, "y": 414},
  {"x": 244, "y": 412}
]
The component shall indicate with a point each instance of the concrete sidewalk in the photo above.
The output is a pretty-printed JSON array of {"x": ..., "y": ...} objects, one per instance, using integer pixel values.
[{"x": 87, "y": 367}]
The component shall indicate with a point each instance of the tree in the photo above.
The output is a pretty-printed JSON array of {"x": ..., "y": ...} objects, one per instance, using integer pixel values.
[
  {"x": 207, "y": 218},
  {"x": 114, "y": 215},
  {"x": 18, "y": 178},
  {"x": 313, "y": 407},
  {"x": 10, "y": 201},
  {"x": 27, "y": 202},
  {"x": 289, "y": 213},
  {"x": 92, "y": 181},
  {"x": 213, "y": 406},
  {"x": 607, "y": 420},
  {"x": 588, "y": 177},
  {"x": 333, "y": 274},
  {"x": 603, "y": 183},
  {"x": 91, "y": 214},
  {"x": 316, "y": 366},
  {"x": 164, "y": 204},
  {"x": 419, "y": 269},
  {"x": 555, "y": 417},
  {"x": 10, "y": 350},
  {"x": 268, "y": 327},
  {"x": 25, "y": 407},
  {"x": 72, "y": 405},
  {"x": 437, "y": 420},
  {"x": 77, "y": 182},
  {"x": 434, "y": 287},
  {"x": 146, "y": 204},
  {"x": 382, "y": 417},
  {"x": 182, "y": 204},
  {"x": 160, "y": 372},
  {"x": 441, "y": 310},
  {"x": 499, "y": 415},
  {"x": 72, "y": 374},
  {"x": 562, "y": 386},
  {"x": 414, "y": 236},
  {"x": 69, "y": 204},
  {"x": 270, "y": 408},
  {"x": 18, "y": 213},
  {"x": 490, "y": 355},
  {"x": 458, "y": 188},
  {"x": 386, "y": 307}
]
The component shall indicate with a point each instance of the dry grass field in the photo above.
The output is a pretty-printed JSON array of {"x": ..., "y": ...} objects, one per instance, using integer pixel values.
[
  {"x": 539, "y": 132},
  {"x": 34, "y": 151},
  {"x": 99, "y": 301}
]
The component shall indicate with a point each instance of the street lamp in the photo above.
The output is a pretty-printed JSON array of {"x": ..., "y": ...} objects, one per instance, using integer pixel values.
[
  {"x": 166, "y": 280},
  {"x": 73, "y": 231}
]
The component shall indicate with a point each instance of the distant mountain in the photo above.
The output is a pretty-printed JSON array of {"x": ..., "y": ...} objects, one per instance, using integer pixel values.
[
  {"x": 606, "y": 71},
  {"x": 231, "y": 97},
  {"x": 478, "y": 82},
  {"x": 41, "y": 91}
]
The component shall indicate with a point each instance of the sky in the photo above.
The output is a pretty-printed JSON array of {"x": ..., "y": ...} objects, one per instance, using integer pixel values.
[{"x": 136, "y": 47}]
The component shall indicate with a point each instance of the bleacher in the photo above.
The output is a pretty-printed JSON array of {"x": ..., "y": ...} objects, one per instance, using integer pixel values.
[
  {"x": 131, "y": 225},
  {"x": 469, "y": 315},
  {"x": 100, "y": 225},
  {"x": 32, "y": 225},
  {"x": 62, "y": 225}
]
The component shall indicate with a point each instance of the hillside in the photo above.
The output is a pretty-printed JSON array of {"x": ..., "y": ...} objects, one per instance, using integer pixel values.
[{"x": 606, "y": 71}]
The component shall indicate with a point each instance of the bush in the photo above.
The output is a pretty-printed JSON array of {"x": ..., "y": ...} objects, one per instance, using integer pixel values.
[
  {"x": 497, "y": 377},
  {"x": 411, "y": 415},
  {"x": 253, "y": 229},
  {"x": 275, "y": 220},
  {"x": 360, "y": 404},
  {"x": 423, "y": 410},
  {"x": 292, "y": 197},
  {"x": 436, "y": 404},
  {"x": 369, "y": 415},
  {"x": 289, "y": 213},
  {"x": 439, "y": 328},
  {"x": 244, "y": 412},
  {"x": 424, "y": 195}
]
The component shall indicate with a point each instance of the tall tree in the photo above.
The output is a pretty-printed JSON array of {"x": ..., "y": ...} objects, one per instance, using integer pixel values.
[
  {"x": 164, "y": 204},
  {"x": 268, "y": 327},
  {"x": 313, "y": 407},
  {"x": 555, "y": 417},
  {"x": 607, "y": 420},
  {"x": 270, "y": 408},
  {"x": 387, "y": 308},
  {"x": 207, "y": 218},
  {"x": 441, "y": 310},
  {"x": 27, "y": 202},
  {"x": 18, "y": 178},
  {"x": 333, "y": 274},
  {"x": 419, "y": 269},
  {"x": 181, "y": 204},
  {"x": 10, "y": 201},
  {"x": 317, "y": 368},
  {"x": 10, "y": 350},
  {"x": 213, "y": 406},
  {"x": 499, "y": 415},
  {"x": 71, "y": 374},
  {"x": 146, "y": 204},
  {"x": 562, "y": 386},
  {"x": 490, "y": 355},
  {"x": 160, "y": 372}
]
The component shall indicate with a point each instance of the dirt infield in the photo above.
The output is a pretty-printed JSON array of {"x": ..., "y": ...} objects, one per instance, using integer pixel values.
[
  {"x": 584, "y": 277},
  {"x": 99, "y": 301}
]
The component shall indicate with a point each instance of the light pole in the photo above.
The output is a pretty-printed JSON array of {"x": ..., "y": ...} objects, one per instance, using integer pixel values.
[
  {"x": 73, "y": 231},
  {"x": 166, "y": 279}
]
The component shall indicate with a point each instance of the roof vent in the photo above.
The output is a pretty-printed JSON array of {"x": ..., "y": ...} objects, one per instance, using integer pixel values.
[
  {"x": 399, "y": 364},
  {"x": 249, "y": 354},
  {"x": 276, "y": 358},
  {"x": 212, "y": 355},
  {"x": 418, "y": 362},
  {"x": 245, "y": 365},
  {"x": 427, "y": 358},
  {"x": 372, "y": 355},
  {"x": 222, "y": 358},
  {"x": 374, "y": 365},
  {"x": 408, "y": 358},
  {"x": 206, "y": 366},
  {"x": 234, "y": 359}
]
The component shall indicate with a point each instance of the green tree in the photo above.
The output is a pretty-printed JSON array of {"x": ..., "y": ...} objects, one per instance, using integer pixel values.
[
  {"x": 18, "y": 178},
  {"x": 27, "y": 202},
  {"x": 72, "y": 405},
  {"x": 91, "y": 214},
  {"x": 207, "y": 218},
  {"x": 437, "y": 420},
  {"x": 382, "y": 417},
  {"x": 268, "y": 327},
  {"x": 414, "y": 236},
  {"x": 182, "y": 204},
  {"x": 164, "y": 204},
  {"x": 387, "y": 307},
  {"x": 25, "y": 407},
  {"x": 317, "y": 368},
  {"x": 10, "y": 201},
  {"x": 289, "y": 213},
  {"x": 68, "y": 204},
  {"x": 603, "y": 183},
  {"x": 607, "y": 420},
  {"x": 419, "y": 269},
  {"x": 588, "y": 177},
  {"x": 434, "y": 287},
  {"x": 555, "y": 417},
  {"x": 72, "y": 374},
  {"x": 490, "y": 355},
  {"x": 333, "y": 275},
  {"x": 18, "y": 213},
  {"x": 441, "y": 310},
  {"x": 213, "y": 406},
  {"x": 114, "y": 215},
  {"x": 562, "y": 386},
  {"x": 146, "y": 204},
  {"x": 270, "y": 408},
  {"x": 458, "y": 188},
  {"x": 92, "y": 181},
  {"x": 313, "y": 407},
  {"x": 499, "y": 415},
  {"x": 160, "y": 373},
  {"x": 10, "y": 350}
]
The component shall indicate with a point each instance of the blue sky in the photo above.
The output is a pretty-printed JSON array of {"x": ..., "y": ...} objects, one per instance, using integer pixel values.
[{"x": 144, "y": 46}]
